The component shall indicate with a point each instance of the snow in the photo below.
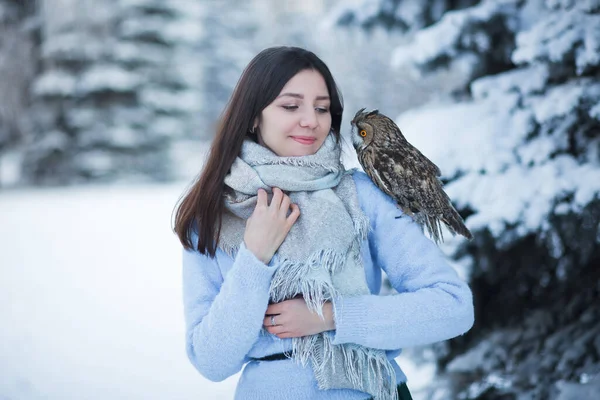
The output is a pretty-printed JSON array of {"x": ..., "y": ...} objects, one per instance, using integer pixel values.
[
  {"x": 54, "y": 140},
  {"x": 573, "y": 391},
  {"x": 54, "y": 83},
  {"x": 561, "y": 100},
  {"x": 96, "y": 161},
  {"x": 108, "y": 77},
  {"x": 540, "y": 148},
  {"x": 190, "y": 9},
  {"x": 74, "y": 45},
  {"x": 167, "y": 127},
  {"x": 361, "y": 11},
  {"x": 532, "y": 79},
  {"x": 139, "y": 53},
  {"x": 450, "y": 36},
  {"x": 90, "y": 294},
  {"x": 189, "y": 32},
  {"x": 149, "y": 25},
  {"x": 124, "y": 137},
  {"x": 595, "y": 112},
  {"x": 10, "y": 168},
  {"x": 556, "y": 36},
  {"x": 184, "y": 101},
  {"x": 90, "y": 298}
]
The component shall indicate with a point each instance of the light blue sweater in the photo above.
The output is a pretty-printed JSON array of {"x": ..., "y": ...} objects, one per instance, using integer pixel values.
[{"x": 225, "y": 301}]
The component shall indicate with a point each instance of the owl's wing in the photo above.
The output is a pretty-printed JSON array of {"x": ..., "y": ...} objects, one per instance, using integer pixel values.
[
  {"x": 404, "y": 174},
  {"x": 413, "y": 155},
  {"x": 414, "y": 177},
  {"x": 372, "y": 167},
  {"x": 416, "y": 185}
]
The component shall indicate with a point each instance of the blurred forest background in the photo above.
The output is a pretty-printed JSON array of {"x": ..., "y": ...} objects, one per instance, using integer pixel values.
[{"x": 503, "y": 95}]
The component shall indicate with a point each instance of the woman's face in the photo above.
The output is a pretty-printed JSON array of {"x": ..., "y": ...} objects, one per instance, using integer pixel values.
[{"x": 297, "y": 122}]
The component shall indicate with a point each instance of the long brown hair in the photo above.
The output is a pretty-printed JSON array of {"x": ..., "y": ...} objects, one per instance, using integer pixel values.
[{"x": 200, "y": 208}]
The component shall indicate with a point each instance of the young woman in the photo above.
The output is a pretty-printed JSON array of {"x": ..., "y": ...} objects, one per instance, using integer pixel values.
[{"x": 284, "y": 248}]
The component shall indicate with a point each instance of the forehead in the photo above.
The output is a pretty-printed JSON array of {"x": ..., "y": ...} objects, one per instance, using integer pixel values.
[{"x": 306, "y": 82}]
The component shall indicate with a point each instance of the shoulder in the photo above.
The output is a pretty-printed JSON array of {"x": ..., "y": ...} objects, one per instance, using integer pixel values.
[
  {"x": 372, "y": 200},
  {"x": 363, "y": 182}
]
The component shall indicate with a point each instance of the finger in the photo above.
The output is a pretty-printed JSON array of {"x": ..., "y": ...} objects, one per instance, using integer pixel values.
[
  {"x": 291, "y": 219},
  {"x": 274, "y": 308},
  {"x": 261, "y": 197},
  {"x": 267, "y": 321},
  {"x": 285, "y": 205},
  {"x": 277, "y": 197},
  {"x": 276, "y": 330},
  {"x": 286, "y": 335}
]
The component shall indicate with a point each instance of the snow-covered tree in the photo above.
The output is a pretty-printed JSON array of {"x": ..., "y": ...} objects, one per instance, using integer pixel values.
[
  {"x": 125, "y": 89},
  {"x": 18, "y": 58},
  {"x": 399, "y": 15},
  {"x": 117, "y": 83},
  {"x": 227, "y": 49},
  {"x": 518, "y": 143}
]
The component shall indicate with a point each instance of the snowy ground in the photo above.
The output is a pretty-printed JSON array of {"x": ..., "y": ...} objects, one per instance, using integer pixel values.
[{"x": 90, "y": 298}]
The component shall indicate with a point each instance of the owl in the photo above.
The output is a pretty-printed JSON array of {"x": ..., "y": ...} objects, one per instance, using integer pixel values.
[{"x": 404, "y": 173}]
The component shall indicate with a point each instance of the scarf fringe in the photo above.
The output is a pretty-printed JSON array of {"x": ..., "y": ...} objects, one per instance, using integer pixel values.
[
  {"x": 380, "y": 370},
  {"x": 290, "y": 280},
  {"x": 229, "y": 249},
  {"x": 378, "y": 379},
  {"x": 362, "y": 226},
  {"x": 318, "y": 349}
]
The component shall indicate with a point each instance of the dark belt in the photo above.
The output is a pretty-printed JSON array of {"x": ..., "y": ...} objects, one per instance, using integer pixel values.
[
  {"x": 273, "y": 357},
  {"x": 403, "y": 393}
]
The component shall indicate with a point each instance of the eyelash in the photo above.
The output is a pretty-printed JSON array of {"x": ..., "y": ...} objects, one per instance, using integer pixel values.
[{"x": 322, "y": 110}]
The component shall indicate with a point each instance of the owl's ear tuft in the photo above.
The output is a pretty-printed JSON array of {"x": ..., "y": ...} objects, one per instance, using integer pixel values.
[
  {"x": 372, "y": 113},
  {"x": 357, "y": 116}
]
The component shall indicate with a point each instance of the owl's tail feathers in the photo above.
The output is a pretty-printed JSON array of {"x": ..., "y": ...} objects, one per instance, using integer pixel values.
[
  {"x": 433, "y": 224},
  {"x": 434, "y": 227},
  {"x": 455, "y": 223}
]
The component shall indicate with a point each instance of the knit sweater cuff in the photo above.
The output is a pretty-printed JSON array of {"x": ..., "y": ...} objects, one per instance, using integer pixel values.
[
  {"x": 258, "y": 271},
  {"x": 349, "y": 314}
]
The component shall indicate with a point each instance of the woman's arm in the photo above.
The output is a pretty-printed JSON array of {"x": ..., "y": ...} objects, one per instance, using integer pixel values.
[
  {"x": 433, "y": 303},
  {"x": 223, "y": 316}
]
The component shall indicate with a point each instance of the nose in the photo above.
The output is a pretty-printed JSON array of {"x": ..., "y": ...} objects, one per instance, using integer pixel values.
[{"x": 309, "y": 119}]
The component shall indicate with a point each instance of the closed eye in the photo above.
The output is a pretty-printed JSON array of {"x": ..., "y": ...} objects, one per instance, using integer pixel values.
[
  {"x": 290, "y": 108},
  {"x": 322, "y": 110}
]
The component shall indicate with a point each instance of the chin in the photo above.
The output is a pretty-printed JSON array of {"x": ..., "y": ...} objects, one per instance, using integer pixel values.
[{"x": 299, "y": 150}]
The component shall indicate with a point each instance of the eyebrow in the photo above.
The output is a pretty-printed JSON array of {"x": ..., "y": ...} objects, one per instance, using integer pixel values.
[{"x": 301, "y": 96}]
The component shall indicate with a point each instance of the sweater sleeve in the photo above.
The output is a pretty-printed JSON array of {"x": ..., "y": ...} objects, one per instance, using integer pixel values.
[
  {"x": 223, "y": 316},
  {"x": 433, "y": 303}
]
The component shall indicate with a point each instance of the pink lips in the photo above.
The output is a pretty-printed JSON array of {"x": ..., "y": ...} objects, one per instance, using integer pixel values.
[{"x": 304, "y": 139}]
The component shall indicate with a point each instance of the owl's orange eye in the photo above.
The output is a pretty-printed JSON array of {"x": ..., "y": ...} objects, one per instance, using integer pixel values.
[{"x": 363, "y": 133}]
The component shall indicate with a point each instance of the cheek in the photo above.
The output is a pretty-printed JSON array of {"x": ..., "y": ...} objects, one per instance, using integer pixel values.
[
  {"x": 275, "y": 127},
  {"x": 325, "y": 123},
  {"x": 284, "y": 124}
]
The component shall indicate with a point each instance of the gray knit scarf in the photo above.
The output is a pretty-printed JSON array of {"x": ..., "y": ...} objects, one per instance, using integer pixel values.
[{"x": 320, "y": 257}]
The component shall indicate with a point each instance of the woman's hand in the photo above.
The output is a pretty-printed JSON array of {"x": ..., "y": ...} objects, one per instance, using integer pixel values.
[
  {"x": 294, "y": 319},
  {"x": 269, "y": 224}
]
